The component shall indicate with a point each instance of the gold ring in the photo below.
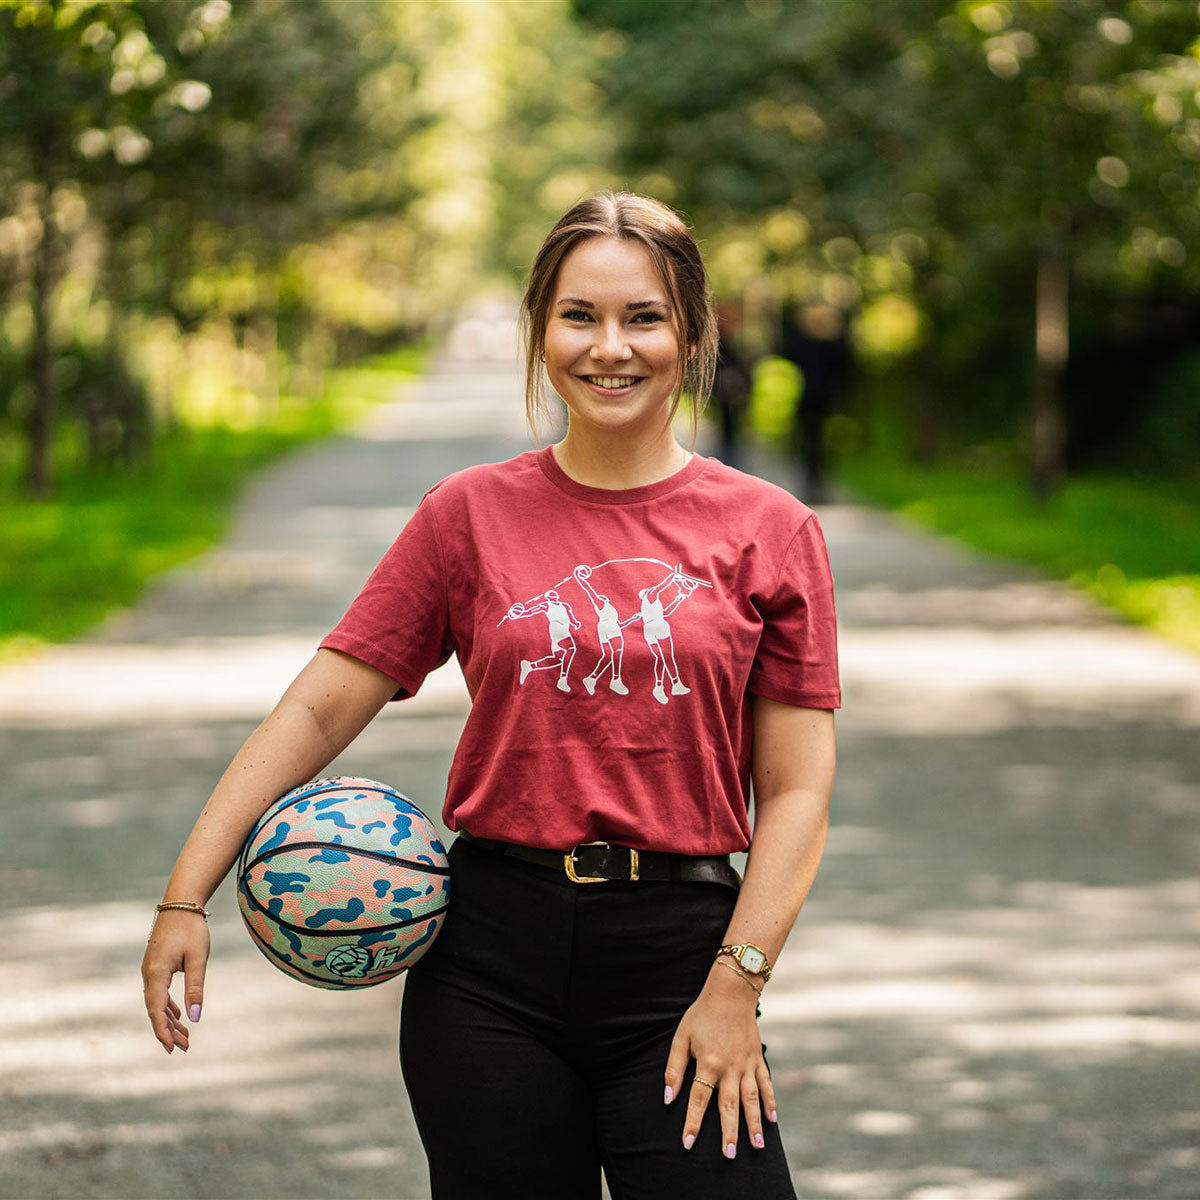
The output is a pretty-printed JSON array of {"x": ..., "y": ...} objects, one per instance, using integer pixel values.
[{"x": 711, "y": 1086}]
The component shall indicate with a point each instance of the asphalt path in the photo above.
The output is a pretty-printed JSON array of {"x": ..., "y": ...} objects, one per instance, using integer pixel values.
[{"x": 992, "y": 992}]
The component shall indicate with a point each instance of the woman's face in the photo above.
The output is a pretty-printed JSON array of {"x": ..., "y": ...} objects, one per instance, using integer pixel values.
[{"x": 601, "y": 329}]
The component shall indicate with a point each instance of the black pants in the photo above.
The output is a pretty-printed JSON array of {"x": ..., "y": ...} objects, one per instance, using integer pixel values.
[{"x": 534, "y": 1037}]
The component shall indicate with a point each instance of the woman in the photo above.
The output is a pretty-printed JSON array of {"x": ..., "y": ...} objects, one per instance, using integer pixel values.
[{"x": 593, "y": 993}]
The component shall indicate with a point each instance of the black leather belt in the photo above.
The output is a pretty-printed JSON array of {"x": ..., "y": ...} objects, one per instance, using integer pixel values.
[{"x": 603, "y": 862}]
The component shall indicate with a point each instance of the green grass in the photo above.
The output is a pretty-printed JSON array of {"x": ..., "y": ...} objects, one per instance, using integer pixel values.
[
  {"x": 1133, "y": 542},
  {"x": 67, "y": 562}
]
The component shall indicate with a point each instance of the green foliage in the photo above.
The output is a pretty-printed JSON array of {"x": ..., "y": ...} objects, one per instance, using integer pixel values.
[
  {"x": 925, "y": 153},
  {"x": 774, "y": 398},
  {"x": 1132, "y": 541},
  {"x": 1170, "y": 435},
  {"x": 257, "y": 174},
  {"x": 66, "y": 563},
  {"x": 1170, "y": 605}
]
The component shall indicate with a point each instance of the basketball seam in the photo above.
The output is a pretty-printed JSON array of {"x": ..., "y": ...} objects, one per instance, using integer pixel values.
[
  {"x": 381, "y": 790},
  {"x": 266, "y": 855},
  {"x": 269, "y": 949},
  {"x": 252, "y": 899}
]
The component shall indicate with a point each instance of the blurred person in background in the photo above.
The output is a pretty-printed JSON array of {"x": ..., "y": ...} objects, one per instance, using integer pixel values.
[
  {"x": 732, "y": 383},
  {"x": 814, "y": 338}
]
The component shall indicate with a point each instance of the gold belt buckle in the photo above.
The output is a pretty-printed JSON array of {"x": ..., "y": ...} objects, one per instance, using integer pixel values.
[{"x": 569, "y": 863}]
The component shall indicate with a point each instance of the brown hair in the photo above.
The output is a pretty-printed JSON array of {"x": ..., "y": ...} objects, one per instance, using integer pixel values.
[{"x": 662, "y": 231}]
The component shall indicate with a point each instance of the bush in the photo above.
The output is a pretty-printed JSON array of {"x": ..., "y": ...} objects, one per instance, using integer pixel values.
[{"x": 1169, "y": 437}]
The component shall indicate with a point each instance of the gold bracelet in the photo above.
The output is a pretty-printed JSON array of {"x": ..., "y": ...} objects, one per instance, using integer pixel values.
[
  {"x": 741, "y": 975},
  {"x": 185, "y": 905}
]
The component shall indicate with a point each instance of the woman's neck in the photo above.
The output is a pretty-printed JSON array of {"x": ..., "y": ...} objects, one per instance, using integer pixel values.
[{"x": 619, "y": 464}]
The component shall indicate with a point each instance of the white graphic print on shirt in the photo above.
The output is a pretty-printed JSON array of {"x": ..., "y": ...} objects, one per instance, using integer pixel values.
[{"x": 620, "y": 581}]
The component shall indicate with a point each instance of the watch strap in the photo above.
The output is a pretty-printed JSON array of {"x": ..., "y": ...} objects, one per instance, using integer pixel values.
[{"x": 735, "y": 951}]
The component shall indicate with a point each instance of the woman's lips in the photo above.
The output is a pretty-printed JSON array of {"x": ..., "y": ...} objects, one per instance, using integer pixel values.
[{"x": 603, "y": 391}]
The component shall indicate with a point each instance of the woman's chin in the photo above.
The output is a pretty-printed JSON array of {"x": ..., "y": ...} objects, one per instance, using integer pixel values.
[{"x": 614, "y": 416}]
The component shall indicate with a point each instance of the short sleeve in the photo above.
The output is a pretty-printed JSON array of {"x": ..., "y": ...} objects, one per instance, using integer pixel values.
[
  {"x": 399, "y": 622},
  {"x": 796, "y": 662}
]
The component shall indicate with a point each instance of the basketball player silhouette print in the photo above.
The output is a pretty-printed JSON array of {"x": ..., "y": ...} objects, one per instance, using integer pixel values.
[
  {"x": 655, "y": 602},
  {"x": 561, "y": 621},
  {"x": 608, "y": 630},
  {"x": 657, "y": 632}
]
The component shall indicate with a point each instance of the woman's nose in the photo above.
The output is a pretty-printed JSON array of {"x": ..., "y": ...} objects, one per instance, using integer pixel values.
[{"x": 610, "y": 344}]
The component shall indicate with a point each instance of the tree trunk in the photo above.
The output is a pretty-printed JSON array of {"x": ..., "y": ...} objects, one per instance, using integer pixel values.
[
  {"x": 1048, "y": 426},
  {"x": 925, "y": 434},
  {"x": 39, "y": 469},
  {"x": 922, "y": 379}
]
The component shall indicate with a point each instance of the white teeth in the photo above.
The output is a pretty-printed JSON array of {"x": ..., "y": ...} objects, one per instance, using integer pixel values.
[{"x": 611, "y": 381}]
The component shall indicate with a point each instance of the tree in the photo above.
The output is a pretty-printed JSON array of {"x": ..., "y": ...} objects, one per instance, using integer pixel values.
[
  {"x": 967, "y": 153},
  {"x": 63, "y": 71},
  {"x": 201, "y": 143}
]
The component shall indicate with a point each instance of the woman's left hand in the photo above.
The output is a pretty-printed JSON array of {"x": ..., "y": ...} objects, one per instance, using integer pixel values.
[{"x": 720, "y": 1031}]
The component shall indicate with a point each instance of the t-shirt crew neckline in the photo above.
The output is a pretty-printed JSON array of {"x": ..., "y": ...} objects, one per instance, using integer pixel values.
[{"x": 634, "y": 495}]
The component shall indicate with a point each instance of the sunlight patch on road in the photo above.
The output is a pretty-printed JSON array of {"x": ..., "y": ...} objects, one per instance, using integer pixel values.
[
  {"x": 918, "y": 679},
  {"x": 496, "y": 409},
  {"x": 76, "y": 1024},
  {"x": 219, "y": 678},
  {"x": 1057, "y": 969},
  {"x": 1110, "y": 1034},
  {"x": 52, "y": 1135},
  {"x": 911, "y": 1183}
]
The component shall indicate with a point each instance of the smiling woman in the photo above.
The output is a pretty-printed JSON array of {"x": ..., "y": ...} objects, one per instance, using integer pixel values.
[
  {"x": 618, "y": 310},
  {"x": 645, "y": 633},
  {"x": 615, "y": 363}
]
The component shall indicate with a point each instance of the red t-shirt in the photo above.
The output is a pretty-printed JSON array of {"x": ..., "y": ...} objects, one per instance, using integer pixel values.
[{"x": 610, "y": 641}]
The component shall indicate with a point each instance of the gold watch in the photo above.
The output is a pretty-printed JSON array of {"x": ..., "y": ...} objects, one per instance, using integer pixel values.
[{"x": 751, "y": 958}]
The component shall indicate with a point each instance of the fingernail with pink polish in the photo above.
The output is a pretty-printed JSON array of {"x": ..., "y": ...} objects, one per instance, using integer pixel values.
[
  {"x": 772, "y": 1115},
  {"x": 194, "y": 1013},
  {"x": 758, "y": 1140},
  {"x": 730, "y": 1150},
  {"x": 689, "y": 1141},
  {"x": 668, "y": 1095}
]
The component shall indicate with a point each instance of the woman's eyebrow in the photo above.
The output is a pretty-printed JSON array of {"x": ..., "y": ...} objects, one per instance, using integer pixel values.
[{"x": 629, "y": 307}]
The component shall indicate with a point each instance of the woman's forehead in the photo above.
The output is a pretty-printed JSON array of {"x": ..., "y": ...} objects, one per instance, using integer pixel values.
[{"x": 609, "y": 270}]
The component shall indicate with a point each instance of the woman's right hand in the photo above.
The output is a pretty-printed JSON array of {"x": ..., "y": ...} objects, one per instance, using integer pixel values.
[
  {"x": 179, "y": 942},
  {"x": 326, "y": 707}
]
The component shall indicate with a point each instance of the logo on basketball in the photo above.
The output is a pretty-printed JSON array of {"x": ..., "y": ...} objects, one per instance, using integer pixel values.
[{"x": 349, "y": 961}]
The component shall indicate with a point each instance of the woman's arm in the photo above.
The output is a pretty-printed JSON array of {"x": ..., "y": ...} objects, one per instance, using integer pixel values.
[
  {"x": 793, "y": 765},
  {"x": 326, "y": 707}
]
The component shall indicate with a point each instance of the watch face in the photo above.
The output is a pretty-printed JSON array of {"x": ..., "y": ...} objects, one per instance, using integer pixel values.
[{"x": 753, "y": 960}]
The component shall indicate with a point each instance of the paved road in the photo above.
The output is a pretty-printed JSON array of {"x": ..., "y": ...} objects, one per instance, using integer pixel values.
[{"x": 992, "y": 993}]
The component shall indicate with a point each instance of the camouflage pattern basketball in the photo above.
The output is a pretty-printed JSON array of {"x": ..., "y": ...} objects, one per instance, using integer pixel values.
[{"x": 343, "y": 883}]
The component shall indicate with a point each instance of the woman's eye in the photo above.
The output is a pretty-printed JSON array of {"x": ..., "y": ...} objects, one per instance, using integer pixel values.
[{"x": 572, "y": 313}]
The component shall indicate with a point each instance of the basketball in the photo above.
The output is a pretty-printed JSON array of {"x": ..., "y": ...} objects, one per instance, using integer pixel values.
[{"x": 343, "y": 883}]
